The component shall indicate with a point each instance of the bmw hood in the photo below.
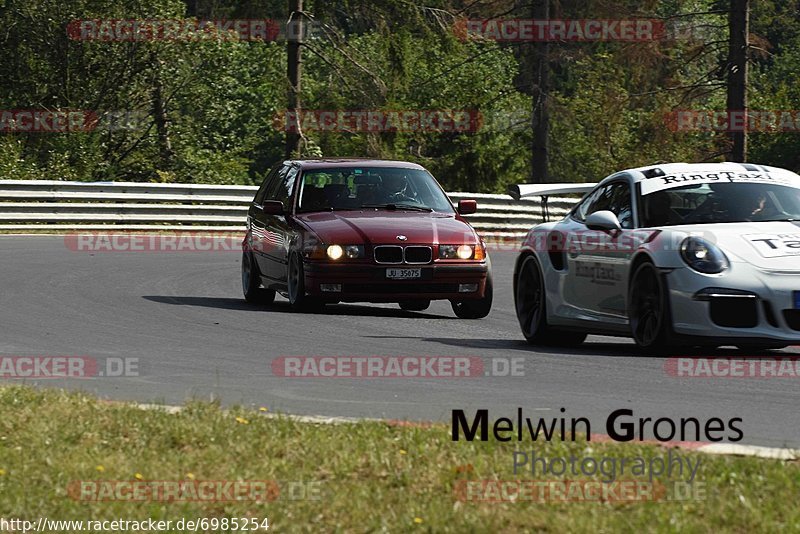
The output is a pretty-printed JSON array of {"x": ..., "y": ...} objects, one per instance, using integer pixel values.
[{"x": 382, "y": 227}]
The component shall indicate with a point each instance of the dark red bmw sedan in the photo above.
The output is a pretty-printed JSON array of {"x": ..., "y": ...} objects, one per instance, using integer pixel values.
[{"x": 353, "y": 230}]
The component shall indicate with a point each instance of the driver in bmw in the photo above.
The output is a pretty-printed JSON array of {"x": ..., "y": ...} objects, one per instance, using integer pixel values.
[{"x": 395, "y": 189}]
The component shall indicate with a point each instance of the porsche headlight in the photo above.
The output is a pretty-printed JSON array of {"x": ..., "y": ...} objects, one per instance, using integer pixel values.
[{"x": 703, "y": 256}]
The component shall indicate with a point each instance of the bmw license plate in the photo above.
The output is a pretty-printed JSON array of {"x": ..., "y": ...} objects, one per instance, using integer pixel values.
[
  {"x": 797, "y": 300},
  {"x": 403, "y": 274}
]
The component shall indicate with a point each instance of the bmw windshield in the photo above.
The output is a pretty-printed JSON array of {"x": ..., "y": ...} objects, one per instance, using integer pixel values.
[{"x": 354, "y": 188}]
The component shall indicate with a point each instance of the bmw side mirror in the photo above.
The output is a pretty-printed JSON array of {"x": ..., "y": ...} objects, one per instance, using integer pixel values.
[
  {"x": 272, "y": 207},
  {"x": 467, "y": 207},
  {"x": 603, "y": 220}
]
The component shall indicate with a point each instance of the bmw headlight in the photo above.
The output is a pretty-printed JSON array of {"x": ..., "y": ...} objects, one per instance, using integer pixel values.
[
  {"x": 462, "y": 252},
  {"x": 352, "y": 252},
  {"x": 703, "y": 256},
  {"x": 335, "y": 252},
  {"x": 453, "y": 252}
]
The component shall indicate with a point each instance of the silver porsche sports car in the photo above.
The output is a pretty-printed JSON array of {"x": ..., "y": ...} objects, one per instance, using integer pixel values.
[{"x": 671, "y": 255}]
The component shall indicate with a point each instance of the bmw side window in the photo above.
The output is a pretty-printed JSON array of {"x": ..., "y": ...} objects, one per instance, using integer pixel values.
[
  {"x": 262, "y": 191},
  {"x": 282, "y": 188}
]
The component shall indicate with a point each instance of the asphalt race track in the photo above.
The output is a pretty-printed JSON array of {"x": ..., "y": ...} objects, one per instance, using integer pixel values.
[{"x": 183, "y": 317}]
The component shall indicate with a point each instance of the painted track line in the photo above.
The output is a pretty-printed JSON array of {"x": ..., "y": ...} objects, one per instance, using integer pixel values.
[{"x": 723, "y": 449}]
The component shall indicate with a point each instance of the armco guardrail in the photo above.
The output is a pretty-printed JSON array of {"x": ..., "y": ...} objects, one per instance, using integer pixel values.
[{"x": 57, "y": 205}]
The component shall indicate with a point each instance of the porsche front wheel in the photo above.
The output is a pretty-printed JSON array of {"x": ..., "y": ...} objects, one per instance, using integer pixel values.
[{"x": 648, "y": 308}]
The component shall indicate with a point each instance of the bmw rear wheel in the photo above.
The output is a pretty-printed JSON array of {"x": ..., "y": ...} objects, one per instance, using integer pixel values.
[{"x": 251, "y": 282}]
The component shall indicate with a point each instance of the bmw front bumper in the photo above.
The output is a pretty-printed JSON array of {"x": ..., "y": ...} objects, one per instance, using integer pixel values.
[{"x": 366, "y": 282}]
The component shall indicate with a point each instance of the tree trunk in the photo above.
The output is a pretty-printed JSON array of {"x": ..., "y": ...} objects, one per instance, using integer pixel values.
[
  {"x": 294, "y": 38},
  {"x": 540, "y": 88},
  {"x": 738, "y": 24},
  {"x": 160, "y": 118}
]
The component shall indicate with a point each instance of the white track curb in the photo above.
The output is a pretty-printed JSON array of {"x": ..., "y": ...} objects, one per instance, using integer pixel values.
[{"x": 724, "y": 449}]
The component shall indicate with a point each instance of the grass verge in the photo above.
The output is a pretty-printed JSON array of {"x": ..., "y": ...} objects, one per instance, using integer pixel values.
[{"x": 359, "y": 477}]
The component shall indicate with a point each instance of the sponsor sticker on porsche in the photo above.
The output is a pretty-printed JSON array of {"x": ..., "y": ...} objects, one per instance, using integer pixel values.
[
  {"x": 660, "y": 183},
  {"x": 775, "y": 245}
]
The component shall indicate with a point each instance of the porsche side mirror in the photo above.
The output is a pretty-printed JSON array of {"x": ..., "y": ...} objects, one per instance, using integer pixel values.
[
  {"x": 272, "y": 207},
  {"x": 467, "y": 207},
  {"x": 603, "y": 220}
]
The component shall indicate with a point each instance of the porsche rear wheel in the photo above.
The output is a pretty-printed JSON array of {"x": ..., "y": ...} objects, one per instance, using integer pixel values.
[
  {"x": 648, "y": 308},
  {"x": 530, "y": 304},
  {"x": 251, "y": 282}
]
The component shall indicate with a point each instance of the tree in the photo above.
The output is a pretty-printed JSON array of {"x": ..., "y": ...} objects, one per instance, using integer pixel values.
[{"x": 739, "y": 28}]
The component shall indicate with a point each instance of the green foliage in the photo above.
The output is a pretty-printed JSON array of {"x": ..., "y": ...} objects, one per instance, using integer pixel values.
[{"x": 206, "y": 108}]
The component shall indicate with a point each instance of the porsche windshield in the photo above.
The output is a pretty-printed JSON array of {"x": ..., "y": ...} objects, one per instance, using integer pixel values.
[
  {"x": 720, "y": 203},
  {"x": 352, "y": 188}
]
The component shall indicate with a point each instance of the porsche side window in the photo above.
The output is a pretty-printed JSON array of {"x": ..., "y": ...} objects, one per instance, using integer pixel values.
[
  {"x": 620, "y": 204},
  {"x": 585, "y": 207},
  {"x": 614, "y": 197}
]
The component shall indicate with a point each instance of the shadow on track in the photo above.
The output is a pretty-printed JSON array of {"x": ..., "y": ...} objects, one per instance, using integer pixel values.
[
  {"x": 226, "y": 303},
  {"x": 600, "y": 349},
  {"x": 592, "y": 348}
]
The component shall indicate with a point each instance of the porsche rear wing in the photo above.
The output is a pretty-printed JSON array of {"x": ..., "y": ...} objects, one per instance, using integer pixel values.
[{"x": 547, "y": 190}]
